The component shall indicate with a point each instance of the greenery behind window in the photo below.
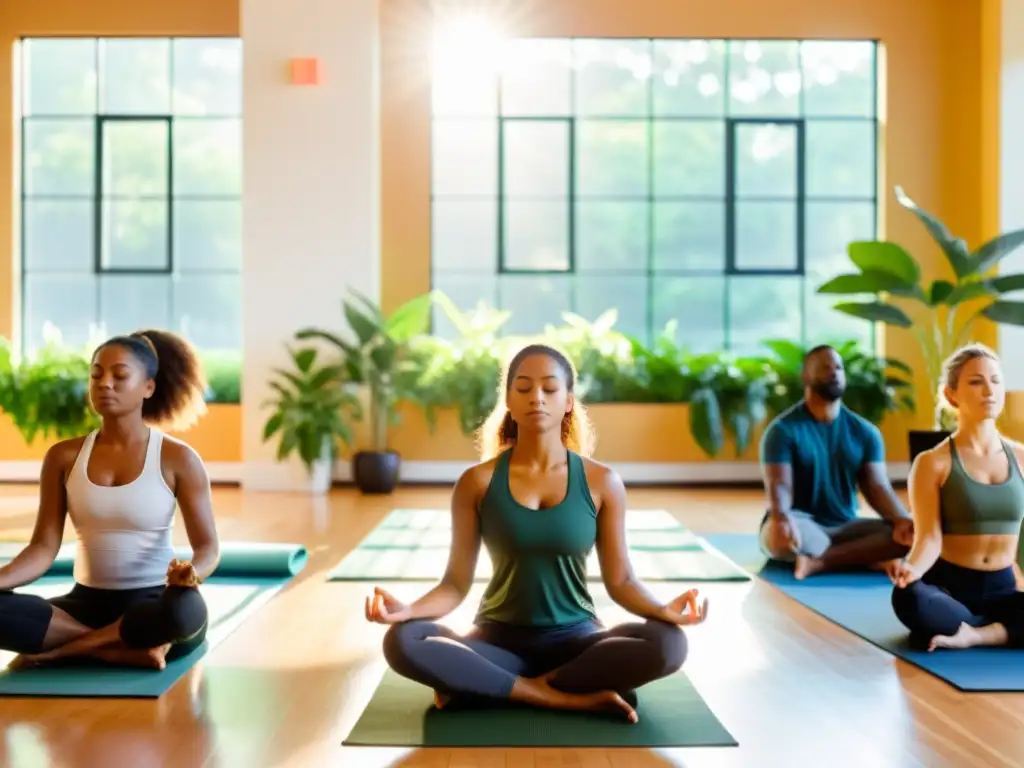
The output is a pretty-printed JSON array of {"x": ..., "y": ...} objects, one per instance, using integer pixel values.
[{"x": 713, "y": 182}]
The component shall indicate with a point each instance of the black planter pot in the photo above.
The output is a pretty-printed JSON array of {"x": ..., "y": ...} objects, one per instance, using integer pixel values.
[
  {"x": 922, "y": 440},
  {"x": 376, "y": 471}
]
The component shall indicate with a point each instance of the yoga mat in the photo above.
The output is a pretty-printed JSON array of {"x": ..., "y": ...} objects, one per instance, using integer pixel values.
[
  {"x": 672, "y": 714},
  {"x": 860, "y": 603},
  {"x": 413, "y": 545},
  {"x": 247, "y": 578}
]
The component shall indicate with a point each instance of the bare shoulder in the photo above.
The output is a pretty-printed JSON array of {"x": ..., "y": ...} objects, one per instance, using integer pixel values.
[
  {"x": 475, "y": 480},
  {"x": 1017, "y": 448},
  {"x": 934, "y": 463},
  {"x": 180, "y": 458},
  {"x": 61, "y": 455},
  {"x": 602, "y": 479}
]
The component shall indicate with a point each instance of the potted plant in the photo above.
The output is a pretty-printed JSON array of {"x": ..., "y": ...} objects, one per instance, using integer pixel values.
[
  {"x": 380, "y": 359},
  {"x": 312, "y": 406},
  {"x": 946, "y": 310}
]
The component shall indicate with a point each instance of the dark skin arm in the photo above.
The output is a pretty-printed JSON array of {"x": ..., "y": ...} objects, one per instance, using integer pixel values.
[
  {"x": 191, "y": 485},
  {"x": 37, "y": 557},
  {"x": 778, "y": 483}
]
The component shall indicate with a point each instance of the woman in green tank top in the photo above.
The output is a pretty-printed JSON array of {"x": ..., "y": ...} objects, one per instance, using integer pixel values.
[
  {"x": 958, "y": 587},
  {"x": 540, "y": 506}
]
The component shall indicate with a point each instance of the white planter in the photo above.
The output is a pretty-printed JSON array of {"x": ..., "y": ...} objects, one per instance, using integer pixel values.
[{"x": 322, "y": 471}]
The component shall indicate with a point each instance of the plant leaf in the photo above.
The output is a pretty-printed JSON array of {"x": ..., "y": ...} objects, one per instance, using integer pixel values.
[
  {"x": 939, "y": 291},
  {"x": 868, "y": 281},
  {"x": 1007, "y": 312},
  {"x": 967, "y": 292},
  {"x": 875, "y": 311},
  {"x": 1007, "y": 283},
  {"x": 996, "y": 249},
  {"x": 883, "y": 256},
  {"x": 954, "y": 248},
  {"x": 411, "y": 319},
  {"x": 706, "y": 421}
]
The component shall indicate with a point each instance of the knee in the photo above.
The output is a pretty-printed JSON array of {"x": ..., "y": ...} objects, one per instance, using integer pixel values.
[
  {"x": 668, "y": 646},
  {"x": 184, "y": 612},
  {"x": 400, "y": 639},
  {"x": 906, "y": 602}
]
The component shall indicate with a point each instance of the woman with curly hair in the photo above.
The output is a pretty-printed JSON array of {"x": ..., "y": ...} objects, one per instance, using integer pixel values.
[
  {"x": 132, "y": 602},
  {"x": 540, "y": 505}
]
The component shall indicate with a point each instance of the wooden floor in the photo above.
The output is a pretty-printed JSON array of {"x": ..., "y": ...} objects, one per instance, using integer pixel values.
[{"x": 288, "y": 685}]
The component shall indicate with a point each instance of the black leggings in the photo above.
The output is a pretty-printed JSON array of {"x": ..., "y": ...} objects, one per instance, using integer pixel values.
[
  {"x": 486, "y": 662},
  {"x": 949, "y": 595},
  {"x": 150, "y": 617}
]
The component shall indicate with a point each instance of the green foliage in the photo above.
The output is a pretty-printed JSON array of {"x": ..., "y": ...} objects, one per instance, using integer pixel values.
[
  {"x": 312, "y": 409},
  {"x": 893, "y": 277},
  {"x": 380, "y": 358}
]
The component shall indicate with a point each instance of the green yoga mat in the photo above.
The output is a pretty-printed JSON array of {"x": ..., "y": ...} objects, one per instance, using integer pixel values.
[
  {"x": 672, "y": 714},
  {"x": 248, "y": 576},
  {"x": 413, "y": 545}
]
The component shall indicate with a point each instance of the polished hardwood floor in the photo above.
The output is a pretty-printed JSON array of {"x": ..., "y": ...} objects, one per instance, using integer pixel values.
[{"x": 288, "y": 685}]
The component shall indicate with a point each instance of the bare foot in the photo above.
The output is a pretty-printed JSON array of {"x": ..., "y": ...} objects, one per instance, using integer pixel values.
[
  {"x": 23, "y": 661},
  {"x": 965, "y": 637},
  {"x": 132, "y": 657},
  {"x": 441, "y": 700},
  {"x": 807, "y": 566},
  {"x": 538, "y": 692}
]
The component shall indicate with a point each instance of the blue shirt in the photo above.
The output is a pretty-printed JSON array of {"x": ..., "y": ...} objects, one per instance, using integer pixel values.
[{"x": 826, "y": 459}]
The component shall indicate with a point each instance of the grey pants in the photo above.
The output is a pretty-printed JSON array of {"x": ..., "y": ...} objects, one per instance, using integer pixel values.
[{"x": 816, "y": 538}]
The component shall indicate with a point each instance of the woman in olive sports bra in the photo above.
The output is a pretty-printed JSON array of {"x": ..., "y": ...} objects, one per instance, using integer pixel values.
[
  {"x": 540, "y": 507},
  {"x": 958, "y": 585}
]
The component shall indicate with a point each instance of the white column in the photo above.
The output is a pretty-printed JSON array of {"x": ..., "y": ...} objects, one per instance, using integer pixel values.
[
  {"x": 1011, "y": 174},
  {"x": 311, "y": 190}
]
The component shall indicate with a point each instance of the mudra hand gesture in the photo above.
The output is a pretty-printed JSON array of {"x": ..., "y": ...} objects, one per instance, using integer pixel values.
[
  {"x": 180, "y": 573},
  {"x": 684, "y": 610},
  {"x": 385, "y": 608}
]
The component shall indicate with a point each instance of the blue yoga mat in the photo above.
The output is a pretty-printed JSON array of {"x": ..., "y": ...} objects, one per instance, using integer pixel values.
[
  {"x": 248, "y": 576},
  {"x": 860, "y": 603}
]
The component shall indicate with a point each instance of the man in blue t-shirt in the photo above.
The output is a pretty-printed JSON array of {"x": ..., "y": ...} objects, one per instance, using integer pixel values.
[{"x": 815, "y": 457}]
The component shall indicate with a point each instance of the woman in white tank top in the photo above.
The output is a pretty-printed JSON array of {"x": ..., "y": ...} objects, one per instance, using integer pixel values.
[{"x": 132, "y": 602}]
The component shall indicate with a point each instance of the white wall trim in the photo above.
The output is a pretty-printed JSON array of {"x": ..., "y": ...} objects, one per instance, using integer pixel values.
[{"x": 273, "y": 476}]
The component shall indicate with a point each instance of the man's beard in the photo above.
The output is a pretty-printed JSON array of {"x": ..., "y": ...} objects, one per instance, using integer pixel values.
[{"x": 830, "y": 391}]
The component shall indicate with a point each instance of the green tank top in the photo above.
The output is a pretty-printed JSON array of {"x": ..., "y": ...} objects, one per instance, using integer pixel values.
[
  {"x": 539, "y": 555},
  {"x": 967, "y": 506}
]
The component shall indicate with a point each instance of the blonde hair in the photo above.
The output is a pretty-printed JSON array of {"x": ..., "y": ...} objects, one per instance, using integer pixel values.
[
  {"x": 953, "y": 367},
  {"x": 499, "y": 431}
]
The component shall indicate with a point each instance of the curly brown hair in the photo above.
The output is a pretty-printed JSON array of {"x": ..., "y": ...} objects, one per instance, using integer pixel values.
[{"x": 178, "y": 399}]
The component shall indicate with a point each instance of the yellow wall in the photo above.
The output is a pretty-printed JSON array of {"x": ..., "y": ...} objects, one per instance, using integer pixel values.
[{"x": 941, "y": 113}]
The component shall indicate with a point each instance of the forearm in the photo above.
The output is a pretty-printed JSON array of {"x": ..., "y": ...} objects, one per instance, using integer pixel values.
[
  {"x": 885, "y": 502},
  {"x": 924, "y": 552},
  {"x": 205, "y": 560},
  {"x": 632, "y": 596},
  {"x": 437, "y": 603},
  {"x": 780, "y": 500},
  {"x": 30, "y": 564}
]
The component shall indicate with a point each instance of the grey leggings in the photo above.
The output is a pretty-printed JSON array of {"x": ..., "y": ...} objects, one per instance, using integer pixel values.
[{"x": 486, "y": 662}]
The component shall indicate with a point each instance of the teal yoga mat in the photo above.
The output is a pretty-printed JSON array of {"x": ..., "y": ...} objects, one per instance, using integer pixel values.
[
  {"x": 861, "y": 603},
  {"x": 249, "y": 575},
  {"x": 671, "y": 711},
  {"x": 413, "y": 545}
]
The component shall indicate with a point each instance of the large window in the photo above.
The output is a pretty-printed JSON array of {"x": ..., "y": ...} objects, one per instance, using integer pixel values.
[
  {"x": 711, "y": 182},
  {"x": 131, "y": 188}
]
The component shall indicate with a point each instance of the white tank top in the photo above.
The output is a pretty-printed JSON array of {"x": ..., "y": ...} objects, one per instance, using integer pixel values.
[{"x": 124, "y": 532}]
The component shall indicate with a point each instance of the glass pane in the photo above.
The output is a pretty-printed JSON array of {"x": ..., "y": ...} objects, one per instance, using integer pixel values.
[
  {"x": 65, "y": 301},
  {"x": 135, "y": 158},
  {"x": 825, "y": 325},
  {"x": 766, "y": 235},
  {"x": 207, "y": 235},
  {"x": 465, "y": 157},
  {"x": 536, "y": 235},
  {"x": 613, "y": 77},
  {"x": 596, "y": 294},
  {"x": 534, "y": 301},
  {"x": 60, "y": 76},
  {"x": 611, "y": 158},
  {"x": 207, "y": 76},
  {"x": 131, "y": 302},
  {"x": 839, "y": 78},
  {"x": 136, "y": 76},
  {"x": 59, "y": 157},
  {"x": 765, "y": 160},
  {"x": 208, "y": 310},
  {"x": 697, "y": 305},
  {"x": 536, "y": 158},
  {"x": 689, "y": 236},
  {"x": 208, "y": 157},
  {"x": 841, "y": 158},
  {"x": 829, "y": 228},
  {"x": 463, "y": 74},
  {"x": 134, "y": 234},
  {"x": 58, "y": 235},
  {"x": 611, "y": 235},
  {"x": 464, "y": 235},
  {"x": 466, "y": 291},
  {"x": 764, "y": 308},
  {"x": 689, "y": 78},
  {"x": 764, "y": 78},
  {"x": 689, "y": 158},
  {"x": 537, "y": 78}
]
